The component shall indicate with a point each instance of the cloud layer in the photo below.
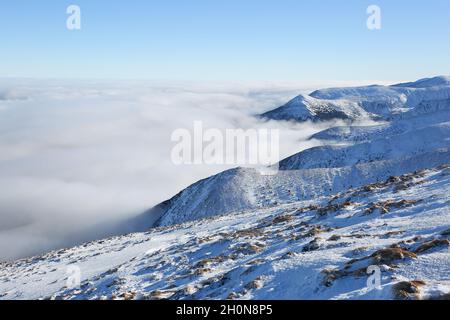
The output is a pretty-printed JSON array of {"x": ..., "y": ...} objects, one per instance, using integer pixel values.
[{"x": 78, "y": 159}]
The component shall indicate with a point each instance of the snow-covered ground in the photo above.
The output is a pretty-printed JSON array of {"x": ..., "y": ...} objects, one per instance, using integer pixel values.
[{"x": 318, "y": 249}]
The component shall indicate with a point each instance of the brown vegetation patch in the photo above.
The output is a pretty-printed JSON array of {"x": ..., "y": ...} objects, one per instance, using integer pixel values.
[
  {"x": 393, "y": 233},
  {"x": 250, "y": 248},
  {"x": 311, "y": 207},
  {"x": 432, "y": 244},
  {"x": 127, "y": 295},
  {"x": 372, "y": 187},
  {"x": 331, "y": 208},
  {"x": 406, "y": 290},
  {"x": 389, "y": 255},
  {"x": 385, "y": 207},
  {"x": 207, "y": 261},
  {"x": 282, "y": 219},
  {"x": 314, "y": 231},
  {"x": 332, "y": 275},
  {"x": 248, "y": 233},
  {"x": 161, "y": 295},
  {"x": 402, "y": 182}
]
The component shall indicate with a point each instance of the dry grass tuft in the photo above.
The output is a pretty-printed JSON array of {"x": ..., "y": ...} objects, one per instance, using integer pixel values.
[
  {"x": 432, "y": 244},
  {"x": 282, "y": 219},
  {"x": 385, "y": 207},
  {"x": 161, "y": 295},
  {"x": 250, "y": 248},
  {"x": 248, "y": 233},
  {"x": 407, "y": 290},
  {"x": 207, "y": 261},
  {"x": 389, "y": 255}
]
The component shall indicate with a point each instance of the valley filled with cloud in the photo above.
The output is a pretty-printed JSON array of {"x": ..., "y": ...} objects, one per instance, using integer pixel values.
[{"x": 79, "y": 159}]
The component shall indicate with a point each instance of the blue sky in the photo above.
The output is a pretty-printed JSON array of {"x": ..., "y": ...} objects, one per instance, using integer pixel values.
[{"x": 233, "y": 40}]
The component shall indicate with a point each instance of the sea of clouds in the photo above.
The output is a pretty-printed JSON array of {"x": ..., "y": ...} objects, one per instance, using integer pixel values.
[{"x": 78, "y": 159}]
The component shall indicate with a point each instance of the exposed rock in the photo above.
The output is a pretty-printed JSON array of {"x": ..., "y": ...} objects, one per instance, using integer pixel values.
[
  {"x": 312, "y": 246},
  {"x": 334, "y": 237},
  {"x": 255, "y": 284}
]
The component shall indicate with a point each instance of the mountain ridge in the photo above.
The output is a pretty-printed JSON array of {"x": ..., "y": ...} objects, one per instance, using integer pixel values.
[
  {"x": 410, "y": 134},
  {"x": 350, "y": 103}
]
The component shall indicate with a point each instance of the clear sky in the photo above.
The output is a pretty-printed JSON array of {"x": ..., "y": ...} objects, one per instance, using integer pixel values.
[{"x": 237, "y": 40}]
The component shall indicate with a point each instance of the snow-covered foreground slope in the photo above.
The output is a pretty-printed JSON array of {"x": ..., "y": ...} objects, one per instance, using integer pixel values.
[{"x": 318, "y": 249}]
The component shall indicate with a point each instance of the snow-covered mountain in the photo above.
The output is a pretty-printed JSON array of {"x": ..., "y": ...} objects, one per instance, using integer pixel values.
[
  {"x": 373, "y": 195},
  {"x": 377, "y": 102},
  {"x": 303, "y": 108}
]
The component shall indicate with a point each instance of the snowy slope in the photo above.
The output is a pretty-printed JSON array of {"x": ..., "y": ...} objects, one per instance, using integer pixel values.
[
  {"x": 248, "y": 189},
  {"x": 317, "y": 249},
  {"x": 311, "y": 173}
]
